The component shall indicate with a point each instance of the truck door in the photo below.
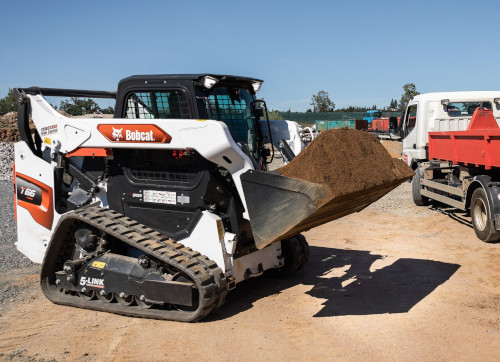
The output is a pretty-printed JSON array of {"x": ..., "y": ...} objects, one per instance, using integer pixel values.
[{"x": 410, "y": 133}]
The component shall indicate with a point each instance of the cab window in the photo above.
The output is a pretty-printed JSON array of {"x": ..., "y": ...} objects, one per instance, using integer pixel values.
[
  {"x": 410, "y": 118},
  {"x": 233, "y": 107},
  {"x": 461, "y": 109},
  {"x": 158, "y": 104}
]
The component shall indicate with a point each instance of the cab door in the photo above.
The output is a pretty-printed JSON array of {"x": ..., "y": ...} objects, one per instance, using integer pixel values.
[{"x": 409, "y": 132}]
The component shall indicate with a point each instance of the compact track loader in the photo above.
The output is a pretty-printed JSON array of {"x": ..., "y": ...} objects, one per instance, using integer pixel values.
[{"x": 161, "y": 210}]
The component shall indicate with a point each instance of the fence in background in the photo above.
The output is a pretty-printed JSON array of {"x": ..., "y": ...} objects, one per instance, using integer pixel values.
[{"x": 308, "y": 118}]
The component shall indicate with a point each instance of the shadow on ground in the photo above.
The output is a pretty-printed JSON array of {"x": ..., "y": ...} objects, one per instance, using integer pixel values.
[
  {"x": 395, "y": 288},
  {"x": 455, "y": 214}
]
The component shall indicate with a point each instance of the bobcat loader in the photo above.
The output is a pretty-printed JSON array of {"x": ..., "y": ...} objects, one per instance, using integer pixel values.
[{"x": 161, "y": 210}]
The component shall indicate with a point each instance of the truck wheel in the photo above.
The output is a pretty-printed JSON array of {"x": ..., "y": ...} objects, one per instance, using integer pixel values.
[
  {"x": 416, "y": 189},
  {"x": 482, "y": 222}
]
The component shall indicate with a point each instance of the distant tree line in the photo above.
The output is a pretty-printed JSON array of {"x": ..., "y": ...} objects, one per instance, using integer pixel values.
[
  {"x": 80, "y": 106},
  {"x": 8, "y": 103},
  {"x": 74, "y": 106},
  {"x": 321, "y": 102}
]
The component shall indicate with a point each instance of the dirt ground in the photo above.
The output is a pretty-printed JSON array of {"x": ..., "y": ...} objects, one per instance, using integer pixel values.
[{"x": 393, "y": 282}]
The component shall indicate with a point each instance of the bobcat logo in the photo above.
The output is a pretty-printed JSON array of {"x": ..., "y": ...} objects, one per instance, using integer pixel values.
[{"x": 117, "y": 133}]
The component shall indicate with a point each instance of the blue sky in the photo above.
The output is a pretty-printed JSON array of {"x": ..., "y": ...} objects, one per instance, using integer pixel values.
[{"x": 360, "y": 52}]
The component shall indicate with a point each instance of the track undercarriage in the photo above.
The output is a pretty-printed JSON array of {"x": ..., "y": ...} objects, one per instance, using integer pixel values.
[{"x": 87, "y": 266}]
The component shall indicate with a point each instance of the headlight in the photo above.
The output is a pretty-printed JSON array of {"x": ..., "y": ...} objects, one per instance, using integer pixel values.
[
  {"x": 208, "y": 81},
  {"x": 256, "y": 86}
]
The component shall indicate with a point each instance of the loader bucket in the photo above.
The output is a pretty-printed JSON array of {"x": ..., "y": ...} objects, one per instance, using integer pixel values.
[{"x": 280, "y": 207}]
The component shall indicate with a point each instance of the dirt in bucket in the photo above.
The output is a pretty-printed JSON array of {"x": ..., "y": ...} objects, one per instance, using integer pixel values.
[{"x": 347, "y": 161}]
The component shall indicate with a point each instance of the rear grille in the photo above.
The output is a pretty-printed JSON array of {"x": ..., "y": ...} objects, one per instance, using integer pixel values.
[{"x": 185, "y": 176}]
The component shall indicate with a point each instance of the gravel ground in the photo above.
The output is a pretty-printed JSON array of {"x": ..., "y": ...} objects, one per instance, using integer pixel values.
[
  {"x": 12, "y": 262},
  {"x": 6, "y": 159},
  {"x": 10, "y": 258}
]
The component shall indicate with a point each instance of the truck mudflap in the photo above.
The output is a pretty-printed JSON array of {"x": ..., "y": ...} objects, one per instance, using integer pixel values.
[{"x": 280, "y": 207}]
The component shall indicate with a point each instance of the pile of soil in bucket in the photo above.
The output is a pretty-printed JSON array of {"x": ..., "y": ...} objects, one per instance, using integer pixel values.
[{"x": 347, "y": 161}]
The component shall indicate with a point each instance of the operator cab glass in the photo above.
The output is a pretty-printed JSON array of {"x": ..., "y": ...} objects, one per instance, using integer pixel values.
[
  {"x": 233, "y": 107},
  {"x": 158, "y": 104}
]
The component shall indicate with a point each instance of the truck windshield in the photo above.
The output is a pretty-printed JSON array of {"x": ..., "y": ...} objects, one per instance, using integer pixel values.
[{"x": 232, "y": 106}]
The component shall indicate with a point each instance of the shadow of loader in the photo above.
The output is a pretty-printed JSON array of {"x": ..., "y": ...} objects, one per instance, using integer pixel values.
[{"x": 395, "y": 288}]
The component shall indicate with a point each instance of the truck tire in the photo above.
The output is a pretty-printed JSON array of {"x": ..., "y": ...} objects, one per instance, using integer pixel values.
[
  {"x": 416, "y": 189},
  {"x": 483, "y": 224}
]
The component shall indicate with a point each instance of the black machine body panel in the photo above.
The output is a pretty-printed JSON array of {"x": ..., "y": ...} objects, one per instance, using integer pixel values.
[
  {"x": 168, "y": 189},
  {"x": 163, "y": 189}
]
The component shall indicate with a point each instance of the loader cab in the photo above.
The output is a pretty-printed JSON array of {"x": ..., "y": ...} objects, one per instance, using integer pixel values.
[{"x": 229, "y": 99}]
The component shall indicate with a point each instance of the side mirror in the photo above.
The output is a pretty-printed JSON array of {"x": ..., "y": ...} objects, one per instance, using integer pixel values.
[{"x": 258, "y": 112}]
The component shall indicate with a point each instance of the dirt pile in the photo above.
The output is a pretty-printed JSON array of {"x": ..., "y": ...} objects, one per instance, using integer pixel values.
[
  {"x": 346, "y": 161},
  {"x": 92, "y": 115},
  {"x": 8, "y": 128},
  {"x": 8, "y": 120},
  {"x": 9, "y": 134},
  {"x": 393, "y": 147}
]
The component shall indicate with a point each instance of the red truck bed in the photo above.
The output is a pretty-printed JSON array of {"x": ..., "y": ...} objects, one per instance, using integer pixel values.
[
  {"x": 381, "y": 124},
  {"x": 479, "y": 145}
]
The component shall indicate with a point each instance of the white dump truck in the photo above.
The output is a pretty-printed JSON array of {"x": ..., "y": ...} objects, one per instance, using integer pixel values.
[{"x": 452, "y": 141}]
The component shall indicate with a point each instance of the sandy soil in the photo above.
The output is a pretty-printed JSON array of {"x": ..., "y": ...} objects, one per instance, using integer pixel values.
[{"x": 393, "y": 282}]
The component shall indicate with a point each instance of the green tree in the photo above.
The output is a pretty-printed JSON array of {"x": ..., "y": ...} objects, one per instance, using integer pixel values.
[
  {"x": 409, "y": 91},
  {"x": 8, "y": 103},
  {"x": 275, "y": 115},
  {"x": 394, "y": 104},
  {"x": 78, "y": 106},
  {"x": 108, "y": 110},
  {"x": 321, "y": 102}
]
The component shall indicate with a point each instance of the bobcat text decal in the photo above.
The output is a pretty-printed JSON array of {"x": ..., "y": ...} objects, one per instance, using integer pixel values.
[{"x": 144, "y": 133}]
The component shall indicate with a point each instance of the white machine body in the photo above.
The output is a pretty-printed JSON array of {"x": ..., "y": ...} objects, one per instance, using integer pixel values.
[{"x": 76, "y": 137}]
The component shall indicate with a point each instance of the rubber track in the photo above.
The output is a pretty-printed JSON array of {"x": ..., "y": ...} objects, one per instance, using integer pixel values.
[{"x": 207, "y": 276}]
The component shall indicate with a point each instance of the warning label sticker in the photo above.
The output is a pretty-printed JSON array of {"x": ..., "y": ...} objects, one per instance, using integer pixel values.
[{"x": 160, "y": 197}]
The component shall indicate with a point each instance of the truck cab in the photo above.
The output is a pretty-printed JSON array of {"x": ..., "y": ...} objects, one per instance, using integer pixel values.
[
  {"x": 440, "y": 112},
  {"x": 371, "y": 115}
]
